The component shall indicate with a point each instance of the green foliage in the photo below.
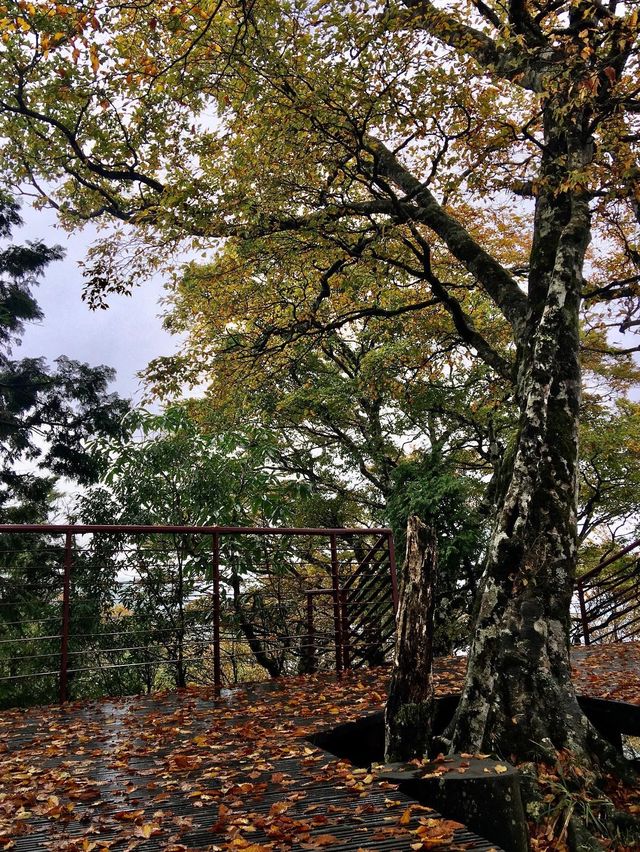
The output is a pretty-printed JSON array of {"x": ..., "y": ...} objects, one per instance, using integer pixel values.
[
  {"x": 171, "y": 471},
  {"x": 610, "y": 473},
  {"x": 443, "y": 499},
  {"x": 47, "y": 415},
  {"x": 155, "y": 594}
]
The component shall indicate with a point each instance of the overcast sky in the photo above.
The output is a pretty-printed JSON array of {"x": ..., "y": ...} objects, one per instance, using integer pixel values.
[{"x": 126, "y": 336}]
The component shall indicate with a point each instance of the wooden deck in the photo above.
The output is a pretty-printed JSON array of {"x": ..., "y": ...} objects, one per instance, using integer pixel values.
[{"x": 184, "y": 771}]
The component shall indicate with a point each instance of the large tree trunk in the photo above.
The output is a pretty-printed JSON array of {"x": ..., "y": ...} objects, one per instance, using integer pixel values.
[{"x": 518, "y": 699}]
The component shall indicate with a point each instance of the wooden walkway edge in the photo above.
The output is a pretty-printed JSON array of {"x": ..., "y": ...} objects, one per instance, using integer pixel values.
[{"x": 181, "y": 771}]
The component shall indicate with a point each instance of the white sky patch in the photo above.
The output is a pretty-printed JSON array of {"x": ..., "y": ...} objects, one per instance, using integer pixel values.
[{"x": 126, "y": 336}]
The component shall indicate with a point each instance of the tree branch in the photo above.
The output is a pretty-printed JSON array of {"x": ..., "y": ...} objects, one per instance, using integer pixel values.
[
  {"x": 464, "y": 324},
  {"x": 129, "y": 174},
  {"x": 447, "y": 28},
  {"x": 493, "y": 277}
]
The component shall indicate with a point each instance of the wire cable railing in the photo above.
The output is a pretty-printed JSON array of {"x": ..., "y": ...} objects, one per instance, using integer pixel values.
[{"x": 91, "y": 610}]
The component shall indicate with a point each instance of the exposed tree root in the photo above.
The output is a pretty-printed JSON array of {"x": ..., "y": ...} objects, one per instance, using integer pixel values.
[
  {"x": 580, "y": 839},
  {"x": 568, "y": 800}
]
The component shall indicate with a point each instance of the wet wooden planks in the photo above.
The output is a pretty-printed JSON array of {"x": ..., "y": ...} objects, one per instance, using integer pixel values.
[{"x": 196, "y": 773}]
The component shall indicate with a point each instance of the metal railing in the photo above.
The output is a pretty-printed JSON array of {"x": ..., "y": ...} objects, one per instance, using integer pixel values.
[
  {"x": 607, "y": 599},
  {"x": 89, "y": 610}
]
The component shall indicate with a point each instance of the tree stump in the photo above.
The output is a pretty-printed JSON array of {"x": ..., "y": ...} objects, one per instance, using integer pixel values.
[
  {"x": 409, "y": 710},
  {"x": 481, "y": 793}
]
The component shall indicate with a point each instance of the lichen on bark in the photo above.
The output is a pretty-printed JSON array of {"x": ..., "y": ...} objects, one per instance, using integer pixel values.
[{"x": 518, "y": 698}]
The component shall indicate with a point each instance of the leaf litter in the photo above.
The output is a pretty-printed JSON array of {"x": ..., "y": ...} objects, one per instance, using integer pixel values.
[{"x": 184, "y": 770}]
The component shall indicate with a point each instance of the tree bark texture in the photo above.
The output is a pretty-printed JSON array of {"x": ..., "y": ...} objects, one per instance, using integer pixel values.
[
  {"x": 409, "y": 710},
  {"x": 518, "y": 698}
]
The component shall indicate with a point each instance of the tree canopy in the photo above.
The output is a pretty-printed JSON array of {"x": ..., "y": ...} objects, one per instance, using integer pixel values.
[
  {"x": 349, "y": 161},
  {"x": 47, "y": 414}
]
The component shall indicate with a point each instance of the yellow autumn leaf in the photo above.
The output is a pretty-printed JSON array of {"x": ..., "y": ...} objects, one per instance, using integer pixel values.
[
  {"x": 95, "y": 61},
  {"x": 146, "y": 830}
]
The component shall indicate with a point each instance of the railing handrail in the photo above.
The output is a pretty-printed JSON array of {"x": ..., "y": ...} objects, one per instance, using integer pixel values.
[
  {"x": 73, "y": 534},
  {"x": 141, "y": 529},
  {"x": 608, "y": 561},
  {"x": 586, "y": 616}
]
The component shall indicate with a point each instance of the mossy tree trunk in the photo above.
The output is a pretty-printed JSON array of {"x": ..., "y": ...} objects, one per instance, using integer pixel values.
[{"x": 518, "y": 698}]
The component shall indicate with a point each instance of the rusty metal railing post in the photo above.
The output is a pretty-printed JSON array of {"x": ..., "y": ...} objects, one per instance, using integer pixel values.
[
  {"x": 346, "y": 651},
  {"x": 583, "y": 614},
  {"x": 393, "y": 571},
  {"x": 335, "y": 584},
  {"x": 66, "y": 618},
  {"x": 311, "y": 639},
  {"x": 215, "y": 564}
]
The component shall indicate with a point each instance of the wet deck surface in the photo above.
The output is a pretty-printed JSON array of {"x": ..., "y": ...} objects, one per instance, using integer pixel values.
[{"x": 184, "y": 771}]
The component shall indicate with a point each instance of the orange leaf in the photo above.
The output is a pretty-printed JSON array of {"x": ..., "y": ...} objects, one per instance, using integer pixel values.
[
  {"x": 129, "y": 816},
  {"x": 323, "y": 840},
  {"x": 88, "y": 794}
]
